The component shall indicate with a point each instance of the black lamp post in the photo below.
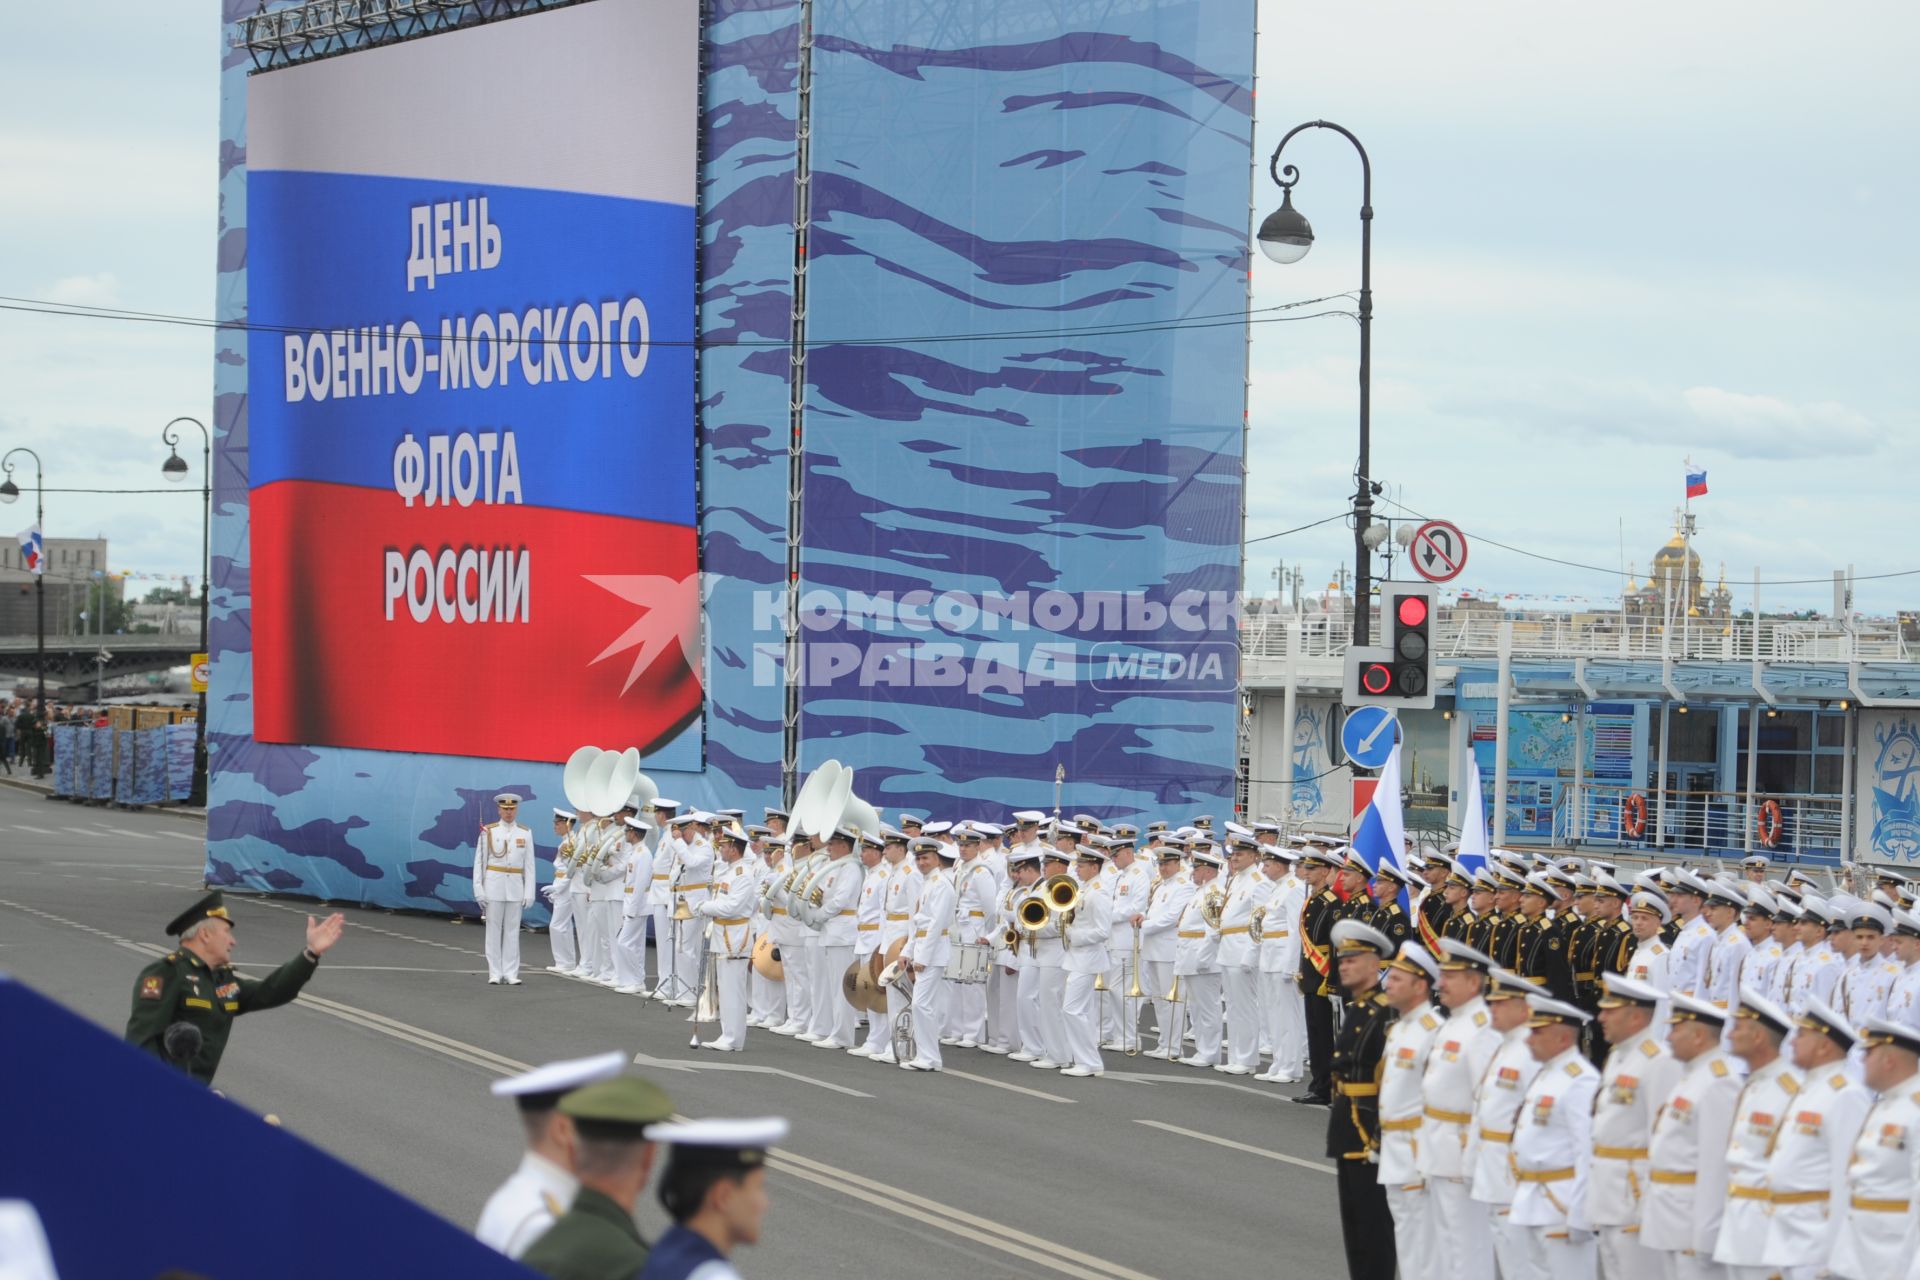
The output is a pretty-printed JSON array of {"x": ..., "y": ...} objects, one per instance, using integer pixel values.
[
  {"x": 1285, "y": 237},
  {"x": 10, "y": 493},
  {"x": 175, "y": 470}
]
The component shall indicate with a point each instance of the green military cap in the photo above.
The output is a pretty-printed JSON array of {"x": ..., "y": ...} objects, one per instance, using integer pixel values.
[
  {"x": 211, "y": 907},
  {"x": 620, "y": 1103}
]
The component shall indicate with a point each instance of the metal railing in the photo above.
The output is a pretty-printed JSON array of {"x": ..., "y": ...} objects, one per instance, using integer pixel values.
[
  {"x": 1476, "y": 634},
  {"x": 1809, "y": 827}
]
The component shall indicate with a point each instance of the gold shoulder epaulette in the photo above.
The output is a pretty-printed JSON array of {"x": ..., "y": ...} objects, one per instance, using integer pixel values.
[{"x": 1718, "y": 1067}]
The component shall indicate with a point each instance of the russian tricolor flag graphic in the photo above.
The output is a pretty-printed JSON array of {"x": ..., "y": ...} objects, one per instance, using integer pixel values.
[
  {"x": 31, "y": 553},
  {"x": 1696, "y": 484},
  {"x": 471, "y": 409}
]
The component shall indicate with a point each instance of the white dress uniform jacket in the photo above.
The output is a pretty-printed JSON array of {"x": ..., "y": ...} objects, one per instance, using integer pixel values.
[
  {"x": 1087, "y": 936},
  {"x": 1649, "y": 963},
  {"x": 1781, "y": 989},
  {"x": 1808, "y": 1168},
  {"x": 666, "y": 865},
  {"x": 839, "y": 887},
  {"x": 871, "y": 912},
  {"x": 932, "y": 942},
  {"x": 1687, "y": 965},
  {"x": 1759, "y": 1113},
  {"x": 503, "y": 864},
  {"x": 975, "y": 909},
  {"x": 1553, "y": 1144},
  {"x": 1198, "y": 944},
  {"x": 1903, "y": 1001},
  {"x": 1815, "y": 977},
  {"x": 1280, "y": 927},
  {"x": 1876, "y": 1235},
  {"x": 1158, "y": 932},
  {"x": 730, "y": 908},
  {"x": 1640, "y": 1072},
  {"x": 1686, "y": 1182},
  {"x": 607, "y": 880},
  {"x": 525, "y": 1205},
  {"x": 1721, "y": 985},
  {"x": 1463, "y": 1049}
]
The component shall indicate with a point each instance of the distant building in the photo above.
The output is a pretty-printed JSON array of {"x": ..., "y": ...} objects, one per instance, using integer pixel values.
[{"x": 71, "y": 564}]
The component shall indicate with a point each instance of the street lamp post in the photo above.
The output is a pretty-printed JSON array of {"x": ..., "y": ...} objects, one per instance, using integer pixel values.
[
  {"x": 1285, "y": 237},
  {"x": 175, "y": 470},
  {"x": 9, "y": 493}
]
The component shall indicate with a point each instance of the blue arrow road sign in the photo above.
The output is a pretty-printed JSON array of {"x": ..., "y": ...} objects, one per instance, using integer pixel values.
[{"x": 1368, "y": 736}]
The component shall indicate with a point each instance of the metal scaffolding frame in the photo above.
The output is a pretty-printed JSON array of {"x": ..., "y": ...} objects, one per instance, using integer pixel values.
[
  {"x": 797, "y": 401},
  {"x": 306, "y": 32}
]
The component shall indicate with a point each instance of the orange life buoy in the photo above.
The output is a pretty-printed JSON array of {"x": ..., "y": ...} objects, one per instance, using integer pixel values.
[
  {"x": 1767, "y": 824},
  {"x": 1633, "y": 816}
]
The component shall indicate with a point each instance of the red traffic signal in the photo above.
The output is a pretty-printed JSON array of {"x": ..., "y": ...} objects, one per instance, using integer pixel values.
[
  {"x": 1413, "y": 611},
  {"x": 1376, "y": 677}
]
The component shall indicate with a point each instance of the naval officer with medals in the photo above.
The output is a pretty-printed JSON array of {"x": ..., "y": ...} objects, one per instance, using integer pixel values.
[{"x": 503, "y": 881}]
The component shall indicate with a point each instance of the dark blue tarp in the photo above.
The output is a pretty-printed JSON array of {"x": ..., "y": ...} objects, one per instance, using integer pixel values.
[{"x": 93, "y": 1127}]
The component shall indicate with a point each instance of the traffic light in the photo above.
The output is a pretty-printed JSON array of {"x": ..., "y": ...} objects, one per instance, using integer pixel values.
[{"x": 1398, "y": 673}]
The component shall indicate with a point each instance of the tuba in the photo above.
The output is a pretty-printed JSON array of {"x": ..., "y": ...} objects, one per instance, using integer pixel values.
[{"x": 1213, "y": 905}]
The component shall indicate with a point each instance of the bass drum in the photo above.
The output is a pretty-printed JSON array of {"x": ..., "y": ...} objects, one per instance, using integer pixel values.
[{"x": 970, "y": 963}]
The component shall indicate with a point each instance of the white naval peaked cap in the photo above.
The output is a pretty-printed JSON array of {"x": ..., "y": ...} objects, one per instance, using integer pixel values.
[
  {"x": 1622, "y": 991},
  {"x": 737, "y": 1135},
  {"x": 1906, "y": 924},
  {"x": 1726, "y": 894},
  {"x": 1685, "y": 881},
  {"x": 568, "y": 814},
  {"x": 507, "y": 797},
  {"x": 1417, "y": 960},
  {"x": 991, "y": 830},
  {"x": 638, "y": 825},
  {"x": 1351, "y": 936},
  {"x": 1756, "y": 1006},
  {"x": 1693, "y": 1009},
  {"x": 1463, "y": 957},
  {"x": 935, "y": 828},
  {"x": 1235, "y": 829},
  {"x": 1824, "y": 1018},
  {"x": 1546, "y": 1009},
  {"x": 1644, "y": 901},
  {"x": 661, "y": 802},
  {"x": 560, "y": 1077},
  {"x": 1028, "y": 816}
]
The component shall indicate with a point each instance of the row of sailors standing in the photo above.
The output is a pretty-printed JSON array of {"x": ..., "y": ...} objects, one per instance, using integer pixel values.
[
  {"x": 1746, "y": 1137},
  {"x": 1190, "y": 904}
]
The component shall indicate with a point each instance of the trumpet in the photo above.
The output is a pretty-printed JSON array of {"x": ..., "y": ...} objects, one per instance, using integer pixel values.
[
  {"x": 1062, "y": 893},
  {"x": 1011, "y": 939},
  {"x": 1033, "y": 913}
]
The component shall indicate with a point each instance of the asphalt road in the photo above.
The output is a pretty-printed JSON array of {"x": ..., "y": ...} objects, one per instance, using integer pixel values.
[{"x": 989, "y": 1169}]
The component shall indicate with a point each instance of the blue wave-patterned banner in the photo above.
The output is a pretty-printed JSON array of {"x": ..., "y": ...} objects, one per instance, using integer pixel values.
[{"x": 1078, "y": 174}]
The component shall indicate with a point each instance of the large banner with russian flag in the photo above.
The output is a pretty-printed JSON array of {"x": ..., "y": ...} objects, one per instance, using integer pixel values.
[{"x": 471, "y": 286}]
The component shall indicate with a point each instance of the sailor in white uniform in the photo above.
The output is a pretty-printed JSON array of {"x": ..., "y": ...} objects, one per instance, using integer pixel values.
[
  {"x": 1686, "y": 1178},
  {"x": 503, "y": 882},
  {"x": 1462, "y": 1051},
  {"x": 1639, "y": 1074},
  {"x": 1876, "y": 1234},
  {"x": 561, "y": 935},
  {"x": 630, "y": 944},
  {"x": 542, "y": 1188},
  {"x": 727, "y": 916},
  {"x": 1808, "y": 1165},
  {"x": 1552, "y": 1148}
]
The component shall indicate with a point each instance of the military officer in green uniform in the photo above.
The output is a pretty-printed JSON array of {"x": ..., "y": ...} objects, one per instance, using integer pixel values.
[
  {"x": 596, "y": 1239},
  {"x": 185, "y": 1002}
]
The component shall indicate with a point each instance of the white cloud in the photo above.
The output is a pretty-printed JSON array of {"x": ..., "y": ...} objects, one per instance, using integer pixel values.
[
  {"x": 1768, "y": 427},
  {"x": 101, "y": 289}
]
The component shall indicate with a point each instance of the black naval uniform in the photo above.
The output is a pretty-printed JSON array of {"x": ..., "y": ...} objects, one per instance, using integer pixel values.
[
  {"x": 1543, "y": 956},
  {"x": 1391, "y": 919},
  {"x": 1436, "y": 915},
  {"x": 1321, "y": 913},
  {"x": 1353, "y": 1137}
]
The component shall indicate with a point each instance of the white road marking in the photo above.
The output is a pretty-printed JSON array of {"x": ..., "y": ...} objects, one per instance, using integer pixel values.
[
  {"x": 185, "y": 835},
  {"x": 1012, "y": 1088},
  {"x": 1317, "y": 1166},
  {"x": 1040, "y": 1251},
  {"x": 123, "y": 831},
  {"x": 1210, "y": 1080},
  {"x": 718, "y": 1062},
  {"x": 39, "y": 831}
]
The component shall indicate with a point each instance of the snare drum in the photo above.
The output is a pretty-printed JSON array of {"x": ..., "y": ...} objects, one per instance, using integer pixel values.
[{"x": 970, "y": 963}]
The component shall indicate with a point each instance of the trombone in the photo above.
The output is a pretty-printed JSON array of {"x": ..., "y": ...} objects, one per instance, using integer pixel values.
[{"x": 1131, "y": 1001}]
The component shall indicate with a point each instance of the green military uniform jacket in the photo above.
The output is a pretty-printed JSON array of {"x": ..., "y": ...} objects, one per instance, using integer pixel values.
[
  {"x": 594, "y": 1240},
  {"x": 180, "y": 987}
]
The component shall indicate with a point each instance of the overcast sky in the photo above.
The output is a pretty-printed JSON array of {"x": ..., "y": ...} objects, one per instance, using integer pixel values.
[{"x": 1605, "y": 237}]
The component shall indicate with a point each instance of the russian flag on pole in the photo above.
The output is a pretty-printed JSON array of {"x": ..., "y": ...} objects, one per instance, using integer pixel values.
[
  {"x": 32, "y": 552},
  {"x": 1381, "y": 836},
  {"x": 1472, "y": 854},
  {"x": 1696, "y": 483}
]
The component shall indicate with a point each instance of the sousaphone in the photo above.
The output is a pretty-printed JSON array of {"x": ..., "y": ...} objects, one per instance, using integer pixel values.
[
  {"x": 822, "y": 799},
  {"x": 573, "y": 780},
  {"x": 595, "y": 791},
  {"x": 620, "y": 781}
]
